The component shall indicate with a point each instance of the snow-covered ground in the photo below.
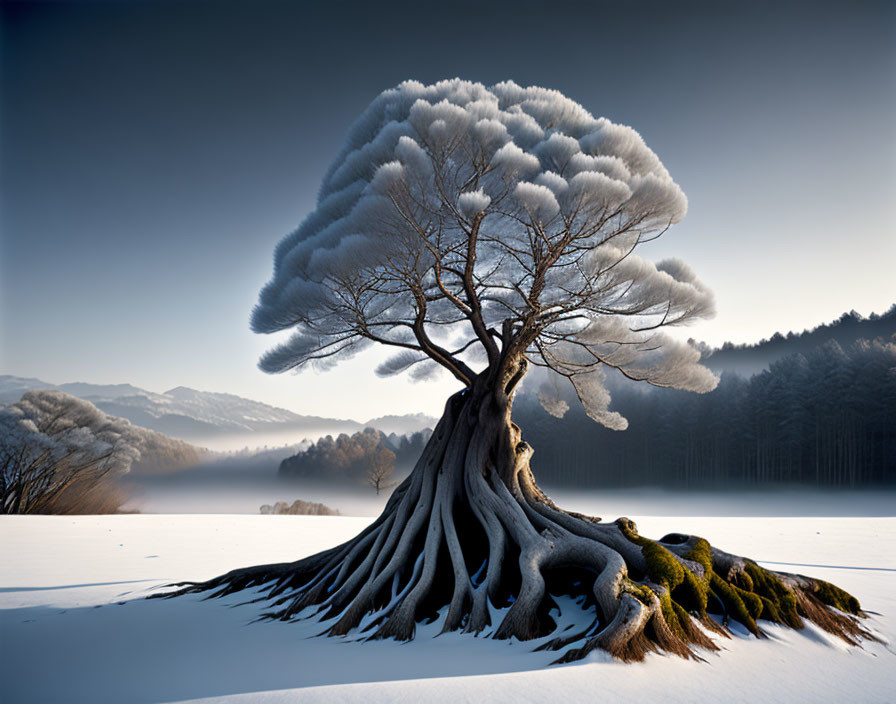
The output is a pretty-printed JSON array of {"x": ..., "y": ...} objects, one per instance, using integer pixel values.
[{"x": 74, "y": 626}]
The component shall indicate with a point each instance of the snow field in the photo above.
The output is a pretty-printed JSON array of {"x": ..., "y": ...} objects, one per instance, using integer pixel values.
[{"x": 74, "y": 628}]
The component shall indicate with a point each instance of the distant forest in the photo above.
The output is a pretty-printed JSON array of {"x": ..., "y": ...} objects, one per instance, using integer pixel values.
[
  {"x": 753, "y": 358},
  {"x": 825, "y": 418},
  {"x": 346, "y": 458}
]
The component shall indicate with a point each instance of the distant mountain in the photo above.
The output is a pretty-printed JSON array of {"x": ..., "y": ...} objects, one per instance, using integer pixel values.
[
  {"x": 183, "y": 412},
  {"x": 747, "y": 360},
  {"x": 12, "y": 387},
  {"x": 198, "y": 416},
  {"x": 403, "y": 425},
  {"x": 82, "y": 390}
]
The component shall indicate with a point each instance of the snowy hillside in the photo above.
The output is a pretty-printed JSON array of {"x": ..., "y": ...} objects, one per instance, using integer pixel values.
[
  {"x": 177, "y": 411},
  {"x": 12, "y": 387},
  {"x": 71, "y": 606},
  {"x": 202, "y": 416}
]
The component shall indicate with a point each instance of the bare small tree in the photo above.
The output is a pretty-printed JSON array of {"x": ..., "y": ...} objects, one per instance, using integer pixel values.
[
  {"x": 380, "y": 466},
  {"x": 480, "y": 231}
]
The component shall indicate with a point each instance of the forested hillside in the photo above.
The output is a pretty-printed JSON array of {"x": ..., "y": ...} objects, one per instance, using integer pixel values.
[
  {"x": 849, "y": 327},
  {"x": 827, "y": 418},
  {"x": 347, "y": 457}
]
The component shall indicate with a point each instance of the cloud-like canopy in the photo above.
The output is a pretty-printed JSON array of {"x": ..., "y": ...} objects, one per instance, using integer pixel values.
[{"x": 455, "y": 210}]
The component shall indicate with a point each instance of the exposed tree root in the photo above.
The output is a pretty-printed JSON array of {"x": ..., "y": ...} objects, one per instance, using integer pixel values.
[{"x": 469, "y": 529}]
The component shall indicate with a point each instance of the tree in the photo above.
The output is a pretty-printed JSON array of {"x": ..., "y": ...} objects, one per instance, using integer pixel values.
[
  {"x": 479, "y": 231},
  {"x": 380, "y": 466}
]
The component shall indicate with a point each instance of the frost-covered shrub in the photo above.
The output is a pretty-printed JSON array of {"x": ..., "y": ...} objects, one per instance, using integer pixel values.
[
  {"x": 298, "y": 508},
  {"x": 61, "y": 454}
]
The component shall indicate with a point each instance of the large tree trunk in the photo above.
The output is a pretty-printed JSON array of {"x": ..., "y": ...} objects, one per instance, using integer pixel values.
[{"x": 470, "y": 530}]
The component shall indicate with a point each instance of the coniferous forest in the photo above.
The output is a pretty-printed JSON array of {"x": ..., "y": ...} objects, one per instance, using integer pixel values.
[{"x": 826, "y": 418}]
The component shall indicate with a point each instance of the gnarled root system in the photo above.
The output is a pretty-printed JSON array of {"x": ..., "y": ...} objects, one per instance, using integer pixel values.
[{"x": 469, "y": 529}]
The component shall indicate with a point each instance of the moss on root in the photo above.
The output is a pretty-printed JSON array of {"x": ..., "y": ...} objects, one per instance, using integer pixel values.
[
  {"x": 770, "y": 611},
  {"x": 735, "y": 607},
  {"x": 779, "y": 600},
  {"x": 640, "y": 591},
  {"x": 677, "y": 588},
  {"x": 673, "y": 617},
  {"x": 701, "y": 553},
  {"x": 662, "y": 566},
  {"x": 832, "y": 595},
  {"x": 747, "y": 594}
]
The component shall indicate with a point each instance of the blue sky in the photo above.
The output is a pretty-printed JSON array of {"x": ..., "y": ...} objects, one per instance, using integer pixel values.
[{"x": 153, "y": 153}]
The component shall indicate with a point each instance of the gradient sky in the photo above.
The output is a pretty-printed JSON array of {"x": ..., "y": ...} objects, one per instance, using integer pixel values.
[{"x": 153, "y": 153}]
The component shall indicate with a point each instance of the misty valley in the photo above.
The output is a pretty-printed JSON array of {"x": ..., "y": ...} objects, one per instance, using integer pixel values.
[{"x": 793, "y": 419}]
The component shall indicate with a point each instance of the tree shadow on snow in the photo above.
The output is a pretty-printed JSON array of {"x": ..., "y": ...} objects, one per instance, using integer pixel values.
[{"x": 144, "y": 651}]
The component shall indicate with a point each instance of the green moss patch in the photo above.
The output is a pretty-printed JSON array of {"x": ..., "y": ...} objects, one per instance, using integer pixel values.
[
  {"x": 729, "y": 595},
  {"x": 833, "y": 595},
  {"x": 702, "y": 555}
]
